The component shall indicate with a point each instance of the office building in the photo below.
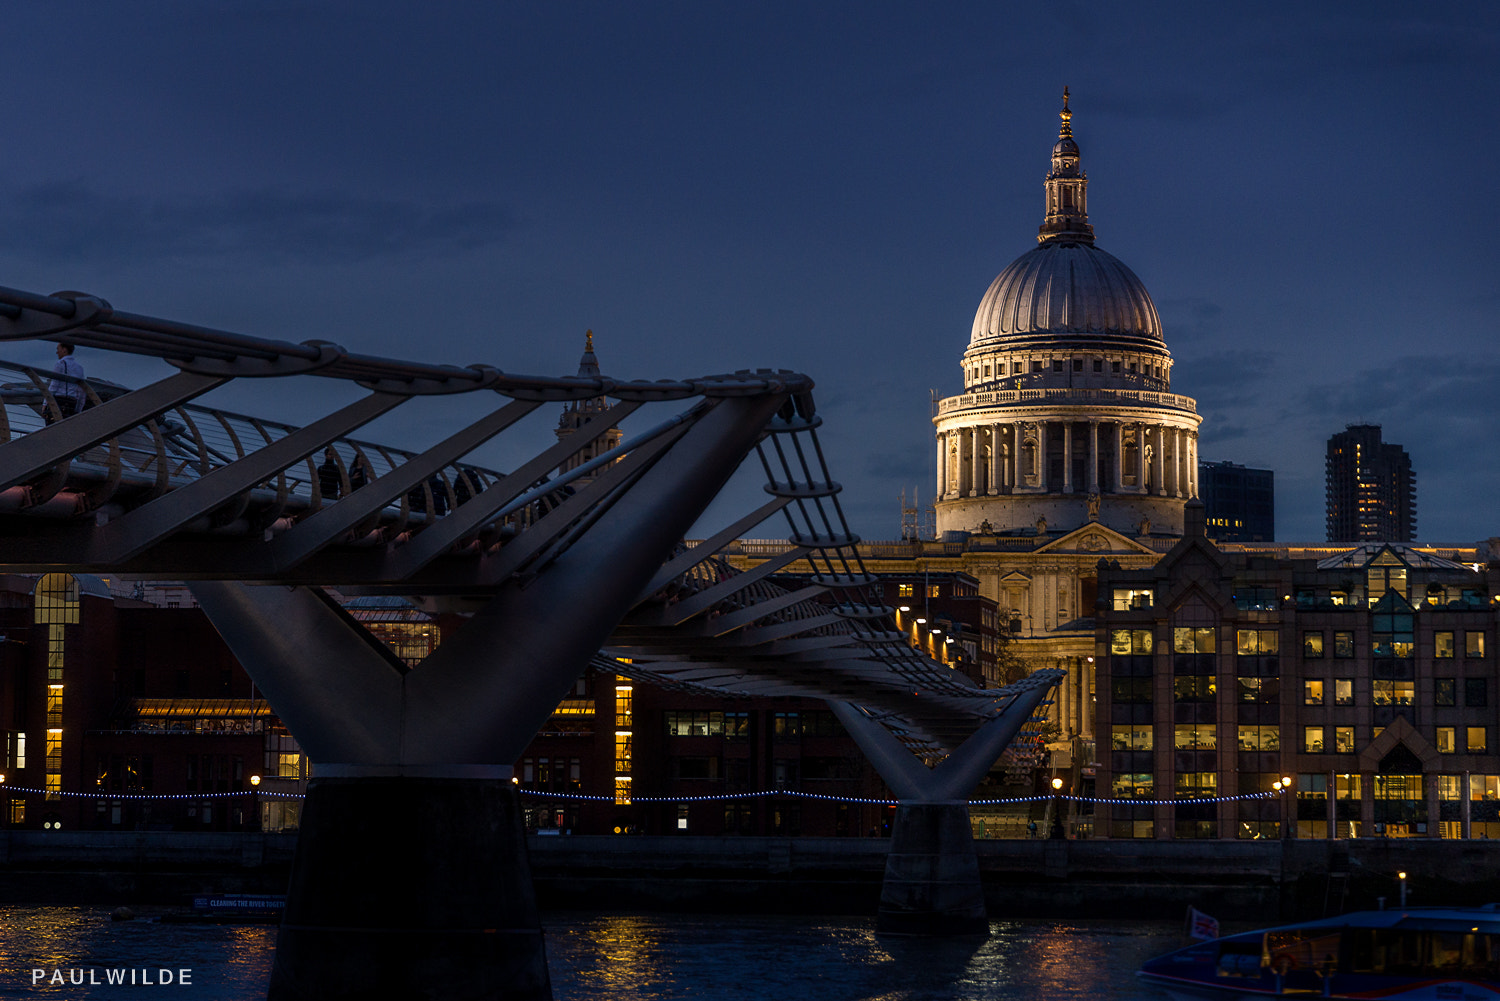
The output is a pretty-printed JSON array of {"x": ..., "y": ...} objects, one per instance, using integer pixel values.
[
  {"x": 1372, "y": 490},
  {"x": 1240, "y": 502}
]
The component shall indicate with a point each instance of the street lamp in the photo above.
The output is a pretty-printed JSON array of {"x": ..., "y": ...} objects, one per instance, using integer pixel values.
[
  {"x": 1057, "y": 827},
  {"x": 1288, "y": 809},
  {"x": 1402, "y": 876}
]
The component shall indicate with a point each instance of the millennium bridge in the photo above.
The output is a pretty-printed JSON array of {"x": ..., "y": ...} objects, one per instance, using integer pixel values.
[{"x": 555, "y": 570}]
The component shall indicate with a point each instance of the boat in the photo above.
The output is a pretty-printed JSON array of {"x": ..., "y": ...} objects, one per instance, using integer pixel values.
[{"x": 1403, "y": 954}]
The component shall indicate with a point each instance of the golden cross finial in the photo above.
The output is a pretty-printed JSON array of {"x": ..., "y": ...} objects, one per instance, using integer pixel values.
[
  {"x": 1066, "y": 116},
  {"x": 588, "y": 343}
]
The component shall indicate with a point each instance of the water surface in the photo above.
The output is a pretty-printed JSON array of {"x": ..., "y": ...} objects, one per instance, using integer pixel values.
[{"x": 646, "y": 957}]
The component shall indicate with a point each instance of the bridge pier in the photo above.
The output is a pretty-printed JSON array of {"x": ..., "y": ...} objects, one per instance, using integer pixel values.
[
  {"x": 411, "y": 886},
  {"x": 931, "y": 884}
]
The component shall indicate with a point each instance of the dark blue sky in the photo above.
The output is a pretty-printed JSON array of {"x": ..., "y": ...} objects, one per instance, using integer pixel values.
[{"x": 1307, "y": 190}]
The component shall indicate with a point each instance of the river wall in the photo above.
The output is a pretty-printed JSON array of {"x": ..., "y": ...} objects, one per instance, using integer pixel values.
[{"x": 1233, "y": 880}]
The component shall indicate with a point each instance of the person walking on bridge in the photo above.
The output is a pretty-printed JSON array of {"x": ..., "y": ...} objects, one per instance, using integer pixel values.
[{"x": 67, "y": 393}]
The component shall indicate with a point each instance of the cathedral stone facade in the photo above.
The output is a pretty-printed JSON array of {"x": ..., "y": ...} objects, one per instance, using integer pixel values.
[{"x": 1067, "y": 415}]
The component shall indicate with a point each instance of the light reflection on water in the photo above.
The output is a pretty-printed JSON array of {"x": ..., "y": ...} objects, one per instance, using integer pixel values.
[
  {"x": 663, "y": 957},
  {"x": 658, "y": 957},
  {"x": 229, "y": 962}
]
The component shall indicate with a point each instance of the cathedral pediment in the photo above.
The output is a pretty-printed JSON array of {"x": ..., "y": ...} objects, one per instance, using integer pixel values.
[{"x": 1094, "y": 539}]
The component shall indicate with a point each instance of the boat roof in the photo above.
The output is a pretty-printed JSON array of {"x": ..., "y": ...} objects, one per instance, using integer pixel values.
[{"x": 1485, "y": 918}]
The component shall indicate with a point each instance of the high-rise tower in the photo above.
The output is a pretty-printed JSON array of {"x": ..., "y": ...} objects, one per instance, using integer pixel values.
[
  {"x": 1372, "y": 490},
  {"x": 1067, "y": 414}
]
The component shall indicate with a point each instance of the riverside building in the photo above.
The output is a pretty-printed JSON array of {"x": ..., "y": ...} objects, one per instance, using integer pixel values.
[{"x": 1367, "y": 677}]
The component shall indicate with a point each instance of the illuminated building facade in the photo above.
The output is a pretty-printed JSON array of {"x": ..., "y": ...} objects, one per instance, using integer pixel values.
[
  {"x": 112, "y": 697},
  {"x": 1368, "y": 678},
  {"x": 1372, "y": 490},
  {"x": 1067, "y": 416},
  {"x": 1240, "y": 502}
]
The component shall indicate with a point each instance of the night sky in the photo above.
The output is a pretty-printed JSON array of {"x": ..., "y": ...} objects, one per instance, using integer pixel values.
[{"x": 1307, "y": 191}]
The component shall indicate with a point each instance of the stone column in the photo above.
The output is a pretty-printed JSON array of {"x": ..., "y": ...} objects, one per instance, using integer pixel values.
[
  {"x": 1067, "y": 483},
  {"x": 1176, "y": 462},
  {"x": 942, "y": 465},
  {"x": 976, "y": 463},
  {"x": 1018, "y": 434},
  {"x": 1193, "y": 463},
  {"x": 994, "y": 483},
  {"x": 1118, "y": 466},
  {"x": 1159, "y": 440},
  {"x": 1041, "y": 455},
  {"x": 963, "y": 464},
  {"x": 977, "y": 446},
  {"x": 1093, "y": 477}
]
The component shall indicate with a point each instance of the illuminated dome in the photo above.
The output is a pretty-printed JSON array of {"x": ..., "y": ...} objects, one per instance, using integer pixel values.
[{"x": 1065, "y": 289}]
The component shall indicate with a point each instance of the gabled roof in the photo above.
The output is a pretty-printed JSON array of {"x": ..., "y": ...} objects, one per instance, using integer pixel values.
[
  {"x": 1386, "y": 554},
  {"x": 1094, "y": 539}
]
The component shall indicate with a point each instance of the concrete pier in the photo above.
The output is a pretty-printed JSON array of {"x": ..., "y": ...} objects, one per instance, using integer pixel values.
[
  {"x": 411, "y": 888},
  {"x": 932, "y": 884}
]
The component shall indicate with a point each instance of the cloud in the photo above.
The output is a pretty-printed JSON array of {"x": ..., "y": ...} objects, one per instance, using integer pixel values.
[{"x": 72, "y": 221}]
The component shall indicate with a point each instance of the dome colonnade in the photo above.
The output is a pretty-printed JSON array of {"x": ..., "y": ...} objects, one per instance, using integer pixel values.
[{"x": 1067, "y": 414}]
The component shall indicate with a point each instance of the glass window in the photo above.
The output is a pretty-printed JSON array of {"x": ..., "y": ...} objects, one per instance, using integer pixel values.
[
  {"x": 1312, "y": 645},
  {"x": 1254, "y": 642},
  {"x": 1343, "y": 740},
  {"x": 1312, "y": 740},
  {"x": 905, "y": 590},
  {"x": 1446, "y": 742},
  {"x": 1343, "y": 691},
  {"x": 1195, "y": 737},
  {"x": 1476, "y": 691},
  {"x": 1192, "y": 640},
  {"x": 1130, "y": 641},
  {"x": 694, "y": 724},
  {"x": 1130, "y": 690},
  {"x": 1266, "y": 691},
  {"x": 1131, "y": 738},
  {"x": 1475, "y": 740},
  {"x": 1443, "y": 642},
  {"x": 1379, "y": 580},
  {"x": 1133, "y": 784},
  {"x": 1473, "y": 644},
  {"x": 1197, "y": 784},
  {"x": 1127, "y": 598},
  {"x": 1260, "y": 738},
  {"x": 1394, "y": 693},
  {"x": 1193, "y": 688},
  {"x": 1247, "y": 598},
  {"x": 1444, "y": 692},
  {"x": 1343, "y": 643},
  {"x": 1312, "y": 692}
]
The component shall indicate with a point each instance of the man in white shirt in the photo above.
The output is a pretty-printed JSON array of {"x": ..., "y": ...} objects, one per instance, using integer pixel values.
[{"x": 69, "y": 395}]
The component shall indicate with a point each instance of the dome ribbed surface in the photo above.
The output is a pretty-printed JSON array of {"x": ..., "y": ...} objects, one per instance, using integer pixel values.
[{"x": 1065, "y": 289}]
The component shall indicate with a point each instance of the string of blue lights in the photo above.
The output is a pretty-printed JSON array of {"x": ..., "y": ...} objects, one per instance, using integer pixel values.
[{"x": 634, "y": 800}]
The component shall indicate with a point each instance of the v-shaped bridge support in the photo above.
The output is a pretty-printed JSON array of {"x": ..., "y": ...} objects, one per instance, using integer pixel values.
[
  {"x": 411, "y": 877},
  {"x": 932, "y": 884}
]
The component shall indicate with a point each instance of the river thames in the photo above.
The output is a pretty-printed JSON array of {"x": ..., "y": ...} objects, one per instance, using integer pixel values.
[{"x": 647, "y": 957}]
